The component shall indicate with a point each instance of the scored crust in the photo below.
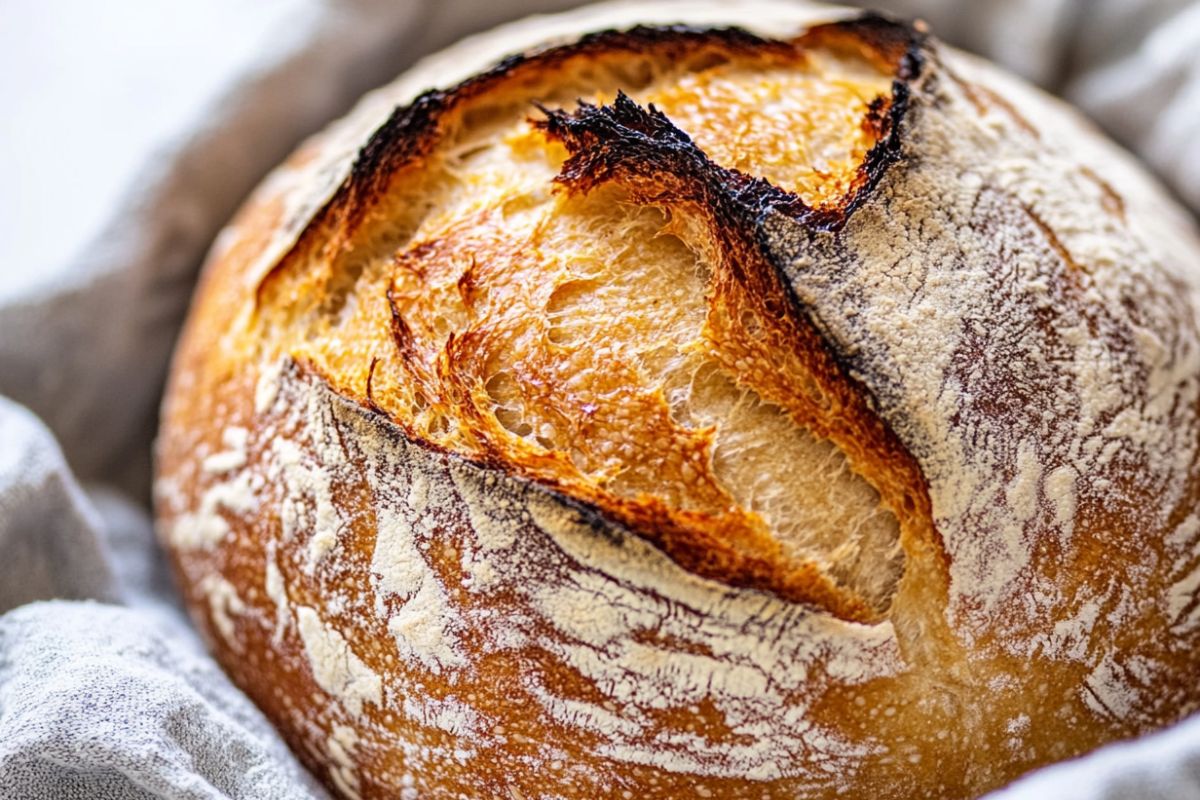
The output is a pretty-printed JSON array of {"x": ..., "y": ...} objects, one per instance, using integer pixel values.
[
  {"x": 619, "y": 339},
  {"x": 659, "y": 444}
]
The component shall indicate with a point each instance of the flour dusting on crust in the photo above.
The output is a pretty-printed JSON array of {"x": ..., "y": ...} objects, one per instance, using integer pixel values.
[
  {"x": 1037, "y": 354},
  {"x": 334, "y": 664}
]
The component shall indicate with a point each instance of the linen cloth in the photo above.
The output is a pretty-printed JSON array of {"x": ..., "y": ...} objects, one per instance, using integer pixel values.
[{"x": 125, "y": 159}]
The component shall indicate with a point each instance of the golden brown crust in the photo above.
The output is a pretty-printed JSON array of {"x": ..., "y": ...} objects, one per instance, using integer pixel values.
[{"x": 425, "y": 596}]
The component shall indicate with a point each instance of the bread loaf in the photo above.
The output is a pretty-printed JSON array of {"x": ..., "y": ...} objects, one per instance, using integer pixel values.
[{"x": 722, "y": 400}]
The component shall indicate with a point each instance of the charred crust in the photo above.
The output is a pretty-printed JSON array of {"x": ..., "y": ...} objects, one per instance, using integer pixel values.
[
  {"x": 645, "y": 140},
  {"x": 628, "y": 143},
  {"x": 887, "y": 118},
  {"x": 409, "y": 133},
  {"x": 412, "y": 131},
  {"x": 624, "y": 141}
]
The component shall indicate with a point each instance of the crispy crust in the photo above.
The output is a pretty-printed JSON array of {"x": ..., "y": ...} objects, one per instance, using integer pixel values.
[{"x": 449, "y": 619}]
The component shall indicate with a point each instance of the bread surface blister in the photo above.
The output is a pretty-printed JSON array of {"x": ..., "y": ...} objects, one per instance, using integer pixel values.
[{"x": 795, "y": 408}]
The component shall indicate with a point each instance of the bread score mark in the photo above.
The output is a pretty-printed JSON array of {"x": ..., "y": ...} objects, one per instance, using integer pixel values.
[{"x": 467, "y": 389}]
